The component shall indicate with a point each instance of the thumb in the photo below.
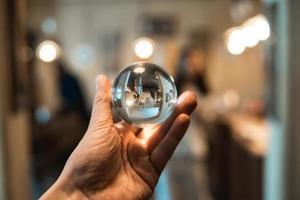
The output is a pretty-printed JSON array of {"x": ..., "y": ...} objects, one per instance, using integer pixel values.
[{"x": 102, "y": 113}]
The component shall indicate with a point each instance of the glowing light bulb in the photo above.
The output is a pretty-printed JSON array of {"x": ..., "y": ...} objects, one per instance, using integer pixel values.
[
  {"x": 262, "y": 27},
  {"x": 235, "y": 43},
  {"x": 48, "y": 51},
  {"x": 143, "y": 48},
  {"x": 144, "y": 94},
  {"x": 250, "y": 37}
]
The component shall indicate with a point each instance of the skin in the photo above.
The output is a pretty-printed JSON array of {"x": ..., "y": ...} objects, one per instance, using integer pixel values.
[
  {"x": 116, "y": 161},
  {"x": 195, "y": 63}
]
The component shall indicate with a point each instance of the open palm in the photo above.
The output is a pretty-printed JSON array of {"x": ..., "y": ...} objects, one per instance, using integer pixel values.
[{"x": 119, "y": 161}]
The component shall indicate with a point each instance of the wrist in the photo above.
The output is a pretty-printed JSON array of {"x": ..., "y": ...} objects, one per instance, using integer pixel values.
[{"x": 63, "y": 189}]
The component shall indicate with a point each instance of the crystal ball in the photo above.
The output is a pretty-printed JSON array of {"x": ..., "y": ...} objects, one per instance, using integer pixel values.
[{"x": 143, "y": 94}]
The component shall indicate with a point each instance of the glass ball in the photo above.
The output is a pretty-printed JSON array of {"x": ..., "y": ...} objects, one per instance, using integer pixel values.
[{"x": 143, "y": 94}]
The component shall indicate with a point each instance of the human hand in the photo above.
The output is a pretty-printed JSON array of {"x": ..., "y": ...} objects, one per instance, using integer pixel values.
[{"x": 116, "y": 160}]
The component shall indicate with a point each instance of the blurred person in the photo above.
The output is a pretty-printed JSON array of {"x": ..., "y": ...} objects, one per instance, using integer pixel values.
[
  {"x": 57, "y": 136},
  {"x": 189, "y": 163},
  {"x": 70, "y": 92},
  {"x": 117, "y": 160},
  {"x": 192, "y": 70}
]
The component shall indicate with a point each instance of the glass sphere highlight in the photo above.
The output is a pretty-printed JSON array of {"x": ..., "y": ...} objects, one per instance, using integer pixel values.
[{"x": 143, "y": 94}]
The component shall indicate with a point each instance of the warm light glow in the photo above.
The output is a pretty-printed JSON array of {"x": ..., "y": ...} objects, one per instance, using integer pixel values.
[
  {"x": 48, "y": 51},
  {"x": 139, "y": 70},
  {"x": 143, "y": 48},
  {"x": 130, "y": 101},
  {"x": 248, "y": 34},
  {"x": 262, "y": 27},
  {"x": 235, "y": 43},
  {"x": 250, "y": 37}
]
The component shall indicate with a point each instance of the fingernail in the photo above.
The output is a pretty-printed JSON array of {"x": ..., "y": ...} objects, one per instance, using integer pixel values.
[{"x": 99, "y": 80}]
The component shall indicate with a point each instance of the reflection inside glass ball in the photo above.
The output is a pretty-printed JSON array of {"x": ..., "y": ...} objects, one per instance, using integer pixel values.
[{"x": 144, "y": 94}]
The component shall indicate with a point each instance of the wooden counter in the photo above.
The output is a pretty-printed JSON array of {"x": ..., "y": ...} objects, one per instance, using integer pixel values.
[
  {"x": 252, "y": 133},
  {"x": 238, "y": 144}
]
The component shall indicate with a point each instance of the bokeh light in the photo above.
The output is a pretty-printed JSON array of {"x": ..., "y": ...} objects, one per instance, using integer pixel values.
[
  {"x": 235, "y": 43},
  {"x": 250, "y": 36},
  {"x": 49, "y": 26},
  {"x": 143, "y": 48},
  {"x": 83, "y": 56},
  {"x": 262, "y": 27},
  {"x": 48, "y": 51},
  {"x": 42, "y": 114}
]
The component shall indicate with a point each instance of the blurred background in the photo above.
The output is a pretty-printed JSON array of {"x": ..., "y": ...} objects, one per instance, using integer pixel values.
[{"x": 239, "y": 56}]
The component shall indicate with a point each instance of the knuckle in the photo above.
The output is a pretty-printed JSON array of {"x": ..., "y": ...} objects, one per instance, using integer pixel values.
[{"x": 102, "y": 97}]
